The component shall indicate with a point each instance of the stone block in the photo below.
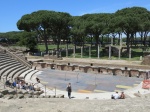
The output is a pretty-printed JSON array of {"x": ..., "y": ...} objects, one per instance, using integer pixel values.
[
  {"x": 28, "y": 96},
  {"x": 36, "y": 96},
  {"x": 60, "y": 96},
  {"x": 41, "y": 96},
  {"x": 19, "y": 92},
  {"x": 13, "y": 92},
  {"x": 5, "y": 92},
  {"x": 53, "y": 96},
  {"x": 48, "y": 96},
  {"x": 20, "y": 96},
  {"x": 36, "y": 93},
  {"x": 9, "y": 97},
  {"x": 1, "y": 95}
]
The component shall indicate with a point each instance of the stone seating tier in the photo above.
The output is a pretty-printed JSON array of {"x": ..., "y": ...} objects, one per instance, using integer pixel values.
[
  {"x": 12, "y": 66},
  {"x": 9, "y": 70},
  {"x": 16, "y": 72}
]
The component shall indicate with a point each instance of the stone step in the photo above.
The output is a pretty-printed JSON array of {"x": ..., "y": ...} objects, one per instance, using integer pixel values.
[
  {"x": 8, "y": 67},
  {"x": 15, "y": 71},
  {"x": 25, "y": 73},
  {"x": 7, "y": 64},
  {"x": 7, "y": 72},
  {"x": 29, "y": 75},
  {"x": 20, "y": 72}
]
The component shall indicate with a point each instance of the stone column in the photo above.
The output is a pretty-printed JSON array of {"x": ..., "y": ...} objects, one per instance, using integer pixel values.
[
  {"x": 119, "y": 53},
  {"x": 81, "y": 52},
  {"x": 60, "y": 53},
  {"x": 111, "y": 40},
  {"x": 57, "y": 54},
  {"x": 52, "y": 53},
  {"x": 120, "y": 46},
  {"x": 98, "y": 52},
  {"x": 109, "y": 51},
  {"x": 66, "y": 52},
  {"x": 129, "y": 53},
  {"x": 89, "y": 52},
  {"x": 74, "y": 52}
]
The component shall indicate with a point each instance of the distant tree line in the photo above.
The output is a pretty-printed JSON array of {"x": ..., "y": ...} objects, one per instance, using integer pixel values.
[{"x": 90, "y": 28}]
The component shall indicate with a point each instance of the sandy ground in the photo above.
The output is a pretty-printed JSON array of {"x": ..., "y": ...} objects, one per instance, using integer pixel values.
[{"x": 70, "y": 105}]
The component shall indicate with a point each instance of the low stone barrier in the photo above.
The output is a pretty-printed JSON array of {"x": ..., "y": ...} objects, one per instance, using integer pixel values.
[
  {"x": 118, "y": 71},
  {"x": 127, "y": 72},
  {"x": 50, "y": 65},
  {"x": 71, "y": 67}
]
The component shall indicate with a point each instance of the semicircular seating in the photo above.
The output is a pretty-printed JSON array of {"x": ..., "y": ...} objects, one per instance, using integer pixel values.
[{"x": 12, "y": 66}]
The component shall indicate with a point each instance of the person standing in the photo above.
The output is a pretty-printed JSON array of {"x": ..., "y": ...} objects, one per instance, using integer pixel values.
[{"x": 69, "y": 89}]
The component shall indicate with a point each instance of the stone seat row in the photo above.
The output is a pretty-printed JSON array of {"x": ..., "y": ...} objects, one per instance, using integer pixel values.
[{"x": 11, "y": 68}]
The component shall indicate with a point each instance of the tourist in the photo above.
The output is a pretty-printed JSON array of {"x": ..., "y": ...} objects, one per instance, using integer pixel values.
[
  {"x": 69, "y": 89},
  {"x": 115, "y": 96},
  {"x": 17, "y": 80},
  {"x": 8, "y": 83},
  {"x": 31, "y": 87},
  {"x": 38, "y": 80},
  {"x": 122, "y": 96},
  {"x": 14, "y": 84}
]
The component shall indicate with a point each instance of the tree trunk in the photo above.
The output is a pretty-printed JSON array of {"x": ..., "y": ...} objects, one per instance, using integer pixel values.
[
  {"x": 141, "y": 38},
  {"x": 132, "y": 38},
  {"x": 119, "y": 39},
  {"x": 102, "y": 39}
]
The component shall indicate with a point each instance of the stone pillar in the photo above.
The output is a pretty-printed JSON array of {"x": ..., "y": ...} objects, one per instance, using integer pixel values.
[
  {"x": 111, "y": 40},
  {"x": 119, "y": 53},
  {"x": 98, "y": 52},
  {"x": 81, "y": 52},
  {"x": 129, "y": 53},
  {"x": 89, "y": 52},
  {"x": 28, "y": 54},
  {"x": 109, "y": 51},
  {"x": 52, "y": 53},
  {"x": 57, "y": 54},
  {"x": 60, "y": 53},
  {"x": 120, "y": 46},
  {"x": 74, "y": 52},
  {"x": 66, "y": 52}
]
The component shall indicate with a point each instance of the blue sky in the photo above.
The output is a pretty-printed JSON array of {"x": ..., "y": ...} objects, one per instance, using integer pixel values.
[{"x": 12, "y": 10}]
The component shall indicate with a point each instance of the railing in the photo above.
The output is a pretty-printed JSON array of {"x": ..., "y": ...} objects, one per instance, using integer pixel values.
[{"x": 17, "y": 57}]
